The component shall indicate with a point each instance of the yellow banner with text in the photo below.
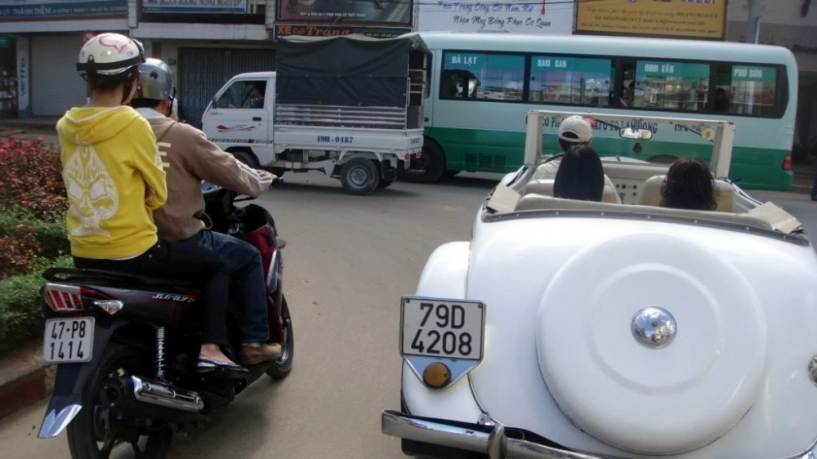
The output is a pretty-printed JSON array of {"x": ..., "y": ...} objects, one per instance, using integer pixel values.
[{"x": 662, "y": 18}]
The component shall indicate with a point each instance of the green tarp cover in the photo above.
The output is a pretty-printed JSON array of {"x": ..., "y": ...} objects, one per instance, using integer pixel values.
[{"x": 350, "y": 55}]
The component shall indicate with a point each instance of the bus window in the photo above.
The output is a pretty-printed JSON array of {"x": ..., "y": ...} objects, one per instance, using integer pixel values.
[
  {"x": 668, "y": 85},
  {"x": 571, "y": 80},
  {"x": 483, "y": 76},
  {"x": 746, "y": 90}
]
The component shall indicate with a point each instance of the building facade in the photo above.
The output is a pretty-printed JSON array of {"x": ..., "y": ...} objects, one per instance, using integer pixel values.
[{"x": 205, "y": 41}]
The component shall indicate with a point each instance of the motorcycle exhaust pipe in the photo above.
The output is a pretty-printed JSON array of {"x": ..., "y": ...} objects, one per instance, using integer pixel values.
[
  {"x": 165, "y": 395},
  {"x": 142, "y": 398}
]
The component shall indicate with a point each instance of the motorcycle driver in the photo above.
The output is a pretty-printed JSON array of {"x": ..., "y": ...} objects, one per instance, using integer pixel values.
[
  {"x": 115, "y": 182},
  {"x": 190, "y": 158}
]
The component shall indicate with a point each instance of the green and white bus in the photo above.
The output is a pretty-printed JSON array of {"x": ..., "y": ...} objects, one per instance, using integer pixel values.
[{"x": 483, "y": 84}]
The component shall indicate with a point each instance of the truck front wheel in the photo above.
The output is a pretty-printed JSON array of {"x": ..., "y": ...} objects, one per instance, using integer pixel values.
[
  {"x": 359, "y": 176},
  {"x": 245, "y": 157}
]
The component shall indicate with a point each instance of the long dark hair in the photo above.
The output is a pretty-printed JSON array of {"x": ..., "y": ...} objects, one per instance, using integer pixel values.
[
  {"x": 580, "y": 175},
  {"x": 689, "y": 185}
]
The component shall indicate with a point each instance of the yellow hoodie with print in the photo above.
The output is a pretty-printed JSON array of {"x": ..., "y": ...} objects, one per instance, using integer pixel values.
[{"x": 109, "y": 156}]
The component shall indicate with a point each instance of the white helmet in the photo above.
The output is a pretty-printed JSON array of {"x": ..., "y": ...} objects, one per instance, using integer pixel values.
[{"x": 109, "y": 54}]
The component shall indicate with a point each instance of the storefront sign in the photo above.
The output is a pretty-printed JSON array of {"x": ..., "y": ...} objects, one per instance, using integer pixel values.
[
  {"x": 17, "y": 9},
  {"x": 345, "y": 11},
  {"x": 22, "y": 77},
  {"x": 85, "y": 37},
  {"x": 194, "y": 6},
  {"x": 667, "y": 18},
  {"x": 514, "y": 16},
  {"x": 283, "y": 30}
]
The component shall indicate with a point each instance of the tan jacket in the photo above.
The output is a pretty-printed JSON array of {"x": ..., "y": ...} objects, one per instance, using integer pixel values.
[{"x": 188, "y": 158}]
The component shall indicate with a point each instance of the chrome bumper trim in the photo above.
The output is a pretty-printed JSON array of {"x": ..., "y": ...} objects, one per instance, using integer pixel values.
[{"x": 489, "y": 440}]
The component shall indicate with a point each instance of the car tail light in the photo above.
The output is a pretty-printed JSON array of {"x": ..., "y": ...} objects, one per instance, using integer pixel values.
[{"x": 787, "y": 163}]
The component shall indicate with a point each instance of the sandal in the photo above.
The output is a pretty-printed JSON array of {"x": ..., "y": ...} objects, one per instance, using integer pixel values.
[{"x": 206, "y": 364}]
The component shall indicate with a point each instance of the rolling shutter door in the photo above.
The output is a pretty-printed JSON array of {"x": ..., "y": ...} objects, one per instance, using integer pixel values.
[
  {"x": 55, "y": 84},
  {"x": 205, "y": 70}
]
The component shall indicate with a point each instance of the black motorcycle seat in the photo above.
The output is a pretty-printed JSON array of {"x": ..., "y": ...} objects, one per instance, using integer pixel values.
[{"x": 96, "y": 275}]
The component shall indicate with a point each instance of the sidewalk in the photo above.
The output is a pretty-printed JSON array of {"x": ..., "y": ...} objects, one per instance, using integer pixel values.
[
  {"x": 44, "y": 127},
  {"x": 23, "y": 379}
]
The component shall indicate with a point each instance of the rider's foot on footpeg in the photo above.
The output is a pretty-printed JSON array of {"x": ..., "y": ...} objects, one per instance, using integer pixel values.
[
  {"x": 206, "y": 364},
  {"x": 252, "y": 354}
]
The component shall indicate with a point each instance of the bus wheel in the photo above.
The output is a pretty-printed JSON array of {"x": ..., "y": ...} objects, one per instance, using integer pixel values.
[
  {"x": 451, "y": 172},
  {"x": 662, "y": 159},
  {"x": 429, "y": 168}
]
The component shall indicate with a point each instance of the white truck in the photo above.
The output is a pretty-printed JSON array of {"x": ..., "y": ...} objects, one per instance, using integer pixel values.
[{"x": 351, "y": 107}]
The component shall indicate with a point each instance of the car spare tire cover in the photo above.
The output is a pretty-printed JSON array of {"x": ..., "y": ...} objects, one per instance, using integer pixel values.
[{"x": 638, "y": 396}]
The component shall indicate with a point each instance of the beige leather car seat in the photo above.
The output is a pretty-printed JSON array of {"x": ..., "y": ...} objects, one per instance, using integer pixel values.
[{"x": 545, "y": 187}]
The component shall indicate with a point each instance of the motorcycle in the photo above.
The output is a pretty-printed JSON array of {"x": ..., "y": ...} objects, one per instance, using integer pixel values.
[{"x": 126, "y": 346}]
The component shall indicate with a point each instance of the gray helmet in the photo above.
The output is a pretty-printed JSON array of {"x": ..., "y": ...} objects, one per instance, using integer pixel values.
[{"x": 156, "y": 81}]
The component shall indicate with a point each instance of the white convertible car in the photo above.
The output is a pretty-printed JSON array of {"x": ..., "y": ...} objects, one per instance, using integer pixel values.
[{"x": 620, "y": 329}]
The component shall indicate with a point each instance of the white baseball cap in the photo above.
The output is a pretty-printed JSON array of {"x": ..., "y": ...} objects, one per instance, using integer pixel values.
[{"x": 577, "y": 126}]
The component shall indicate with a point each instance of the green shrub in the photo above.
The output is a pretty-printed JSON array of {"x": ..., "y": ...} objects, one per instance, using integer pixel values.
[
  {"x": 21, "y": 305},
  {"x": 31, "y": 177},
  {"x": 52, "y": 237}
]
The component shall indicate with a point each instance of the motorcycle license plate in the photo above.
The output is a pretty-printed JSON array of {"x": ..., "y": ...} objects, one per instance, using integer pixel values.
[
  {"x": 68, "y": 340},
  {"x": 438, "y": 328}
]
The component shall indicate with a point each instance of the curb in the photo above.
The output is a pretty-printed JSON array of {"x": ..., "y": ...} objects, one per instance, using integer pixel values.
[{"x": 24, "y": 380}]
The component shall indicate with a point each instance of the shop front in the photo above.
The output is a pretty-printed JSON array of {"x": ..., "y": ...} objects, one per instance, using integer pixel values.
[
  {"x": 55, "y": 84},
  {"x": 8, "y": 78}
]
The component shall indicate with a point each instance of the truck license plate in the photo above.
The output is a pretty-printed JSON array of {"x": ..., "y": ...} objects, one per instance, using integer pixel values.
[
  {"x": 68, "y": 340},
  {"x": 442, "y": 328}
]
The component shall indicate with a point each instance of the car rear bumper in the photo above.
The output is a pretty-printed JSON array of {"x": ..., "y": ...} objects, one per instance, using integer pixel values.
[{"x": 495, "y": 441}]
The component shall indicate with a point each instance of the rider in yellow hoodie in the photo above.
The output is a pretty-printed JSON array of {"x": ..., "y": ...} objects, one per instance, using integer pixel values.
[
  {"x": 109, "y": 161},
  {"x": 114, "y": 178}
]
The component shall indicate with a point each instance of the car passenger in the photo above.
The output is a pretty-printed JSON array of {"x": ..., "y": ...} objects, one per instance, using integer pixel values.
[
  {"x": 574, "y": 130},
  {"x": 580, "y": 175},
  {"x": 689, "y": 185},
  {"x": 114, "y": 180}
]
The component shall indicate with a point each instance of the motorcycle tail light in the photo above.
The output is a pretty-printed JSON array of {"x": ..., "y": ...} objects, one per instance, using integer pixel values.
[
  {"x": 63, "y": 298},
  {"x": 68, "y": 298}
]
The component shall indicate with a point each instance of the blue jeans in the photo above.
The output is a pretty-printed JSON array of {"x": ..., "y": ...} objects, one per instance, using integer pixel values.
[{"x": 247, "y": 291}]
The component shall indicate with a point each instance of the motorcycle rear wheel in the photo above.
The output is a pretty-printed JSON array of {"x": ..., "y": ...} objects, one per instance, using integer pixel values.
[
  {"x": 281, "y": 367},
  {"x": 85, "y": 430}
]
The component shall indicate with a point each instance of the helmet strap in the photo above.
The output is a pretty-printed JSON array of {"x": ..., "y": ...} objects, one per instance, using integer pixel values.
[{"x": 130, "y": 80}]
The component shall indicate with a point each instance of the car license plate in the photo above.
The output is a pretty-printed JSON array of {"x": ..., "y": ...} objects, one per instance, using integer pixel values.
[
  {"x": 68, "y": 340},
  {"x": 442, "y": 328}
]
